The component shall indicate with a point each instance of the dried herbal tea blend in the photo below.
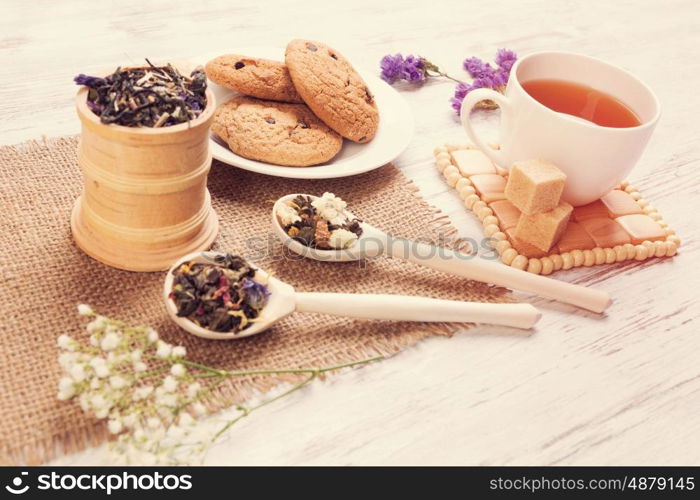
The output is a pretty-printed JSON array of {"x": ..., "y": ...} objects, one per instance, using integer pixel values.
[
  {"x": 222, "y": 296},
  {"x": 321, "y": 223},
  {"x": 150, "y": 96}
]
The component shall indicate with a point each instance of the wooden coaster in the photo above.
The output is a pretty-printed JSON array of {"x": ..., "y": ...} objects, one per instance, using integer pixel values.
[{"x": 620, "y": 226}]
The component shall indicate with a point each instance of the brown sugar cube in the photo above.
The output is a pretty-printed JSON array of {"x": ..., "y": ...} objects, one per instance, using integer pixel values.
[
  {"x": 606, "y": 233},
  {"x": 534, "y": 186},
  {"x": 620, "y": 203},
  {"x": 575, "y": 238},
  {"x": 506, "y": 213},
  {"x": 593, "y": 210},
  {"x": 641, "y": 227},
  {"x": 523, "y": 247},
  {"x": 472, "y": 162},
  {"x": 489, "y": 186},
  {"x": 544, "y": 229}
]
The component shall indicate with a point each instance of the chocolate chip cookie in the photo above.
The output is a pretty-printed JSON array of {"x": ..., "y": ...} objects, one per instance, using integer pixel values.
[
  {"x": 333, "y": 90},
  {"x": 261, "y": 78},
  {"x": 275, "y": 132}
]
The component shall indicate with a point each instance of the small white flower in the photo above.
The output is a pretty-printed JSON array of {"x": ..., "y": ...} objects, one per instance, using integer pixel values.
[
  {"x": 102, "y": 413},
  {"x": 330, "y": 207},
  {"x": 140, "y": 366},
  {"x": 193, "y": 390},
  {"x": 165, "y": 411},
  {"x": 102, "y": 371},
  {"x": 129, "y": 420},
  {"x": 153, "y": 423},
  {"x": 169, "y": 400},
  {"x": 342, "y": 238},
  {"x": 94, "y": 340},
  {"x": 111, "y": 329},
  {"x": 114, "y": 426},
  {"x": 118, "y": 382},
  {"x": 66, "y": 343},
  {"x": 95, "y": 384},
  {"x": 287, "y": 214},
  {"x": 114, "y": 359},
  {"x": 96, "y": 361},
  {"x": 169, "y": 384},
  {"x": 110, "y": 341},
  {"x": 96, "y": 324},
  {"x": 164, "y": 350},
  {"x": 152, "y": 336},
  {"x": 186, "y": 419},
  {"x": 179, "y": 351},
  {"x": 199, "y": 409},
  {"x": 65, "y": 383},
  {"x": 66, "y": 388},
  {"x": 85, "y": 310},
  {"x": 66, "y": 360},
  {"x": 142, "y": 392},
  {"x": 136, "y": 355},
  {"x": 99, "y": 402},
  {"x": 77, "y": 371},
  {"x": 84, "y": 400},
  {"x": 177, "y": 370}
]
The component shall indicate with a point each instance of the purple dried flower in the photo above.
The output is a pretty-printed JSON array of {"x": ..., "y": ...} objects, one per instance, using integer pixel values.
[
  {"x": 500, "y": 79},
  {"x": 461, "y": 90},
  {"x": 256, "y": 292},
  {"x": 485, "y": 77},
  {"x": 417, "y": 69},
  {"x": 477, "y": 68},
  {"x": 505, "y": 59},
  {"x": 89, "y": 81},
  {"x": 414, "y": 69},
  {"x": 485, "y": 82},
  {"x": 94, "y": 107},
  {"x": 392, "y": 68}
]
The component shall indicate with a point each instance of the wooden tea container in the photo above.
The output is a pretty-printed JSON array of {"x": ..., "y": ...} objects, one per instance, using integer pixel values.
[{"x": 145, "y": 200}]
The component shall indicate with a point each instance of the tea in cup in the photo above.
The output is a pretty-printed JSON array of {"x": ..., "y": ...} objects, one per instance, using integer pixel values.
[{"x": 590, "y": 118}]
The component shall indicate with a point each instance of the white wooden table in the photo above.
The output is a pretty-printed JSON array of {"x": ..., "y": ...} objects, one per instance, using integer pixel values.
[{"x": 582, "y": 389}]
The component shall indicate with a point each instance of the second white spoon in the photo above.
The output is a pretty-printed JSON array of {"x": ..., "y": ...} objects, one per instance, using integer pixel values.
[
  {"x": 284, "y": 300},
  {"x": 374, "y": 242}
]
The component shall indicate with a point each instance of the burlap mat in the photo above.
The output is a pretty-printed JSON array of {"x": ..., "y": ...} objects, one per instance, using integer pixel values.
[{"x": 44, "y": 276}]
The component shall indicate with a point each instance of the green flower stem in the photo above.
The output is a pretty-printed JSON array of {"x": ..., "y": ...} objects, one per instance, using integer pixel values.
[
  {"x": 202, "y": 394},
  {"x": 208, "y": 369},
  {"x": 243, "y": 373},
  {"x": 313, "y": 374},
  {"x": 443, "y": 74},
  {"x": 432, "y": 69},
  {"x": 247, "y": 411},
  {"x": 151, "y": 373}
]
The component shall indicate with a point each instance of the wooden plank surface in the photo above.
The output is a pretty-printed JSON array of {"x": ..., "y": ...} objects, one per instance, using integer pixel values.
[{"x": 623, "y": 388}]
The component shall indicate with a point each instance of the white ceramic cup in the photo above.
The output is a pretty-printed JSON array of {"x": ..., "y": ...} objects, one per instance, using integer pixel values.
[{"x": 594, "y": 158}]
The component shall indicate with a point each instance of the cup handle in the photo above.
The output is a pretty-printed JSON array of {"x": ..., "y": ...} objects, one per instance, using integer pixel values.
[{"x": 471, "y": 100}]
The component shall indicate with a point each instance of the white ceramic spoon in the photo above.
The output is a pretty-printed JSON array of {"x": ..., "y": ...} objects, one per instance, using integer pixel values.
[
  {"x": 375, "y": 242},
  {"x": 284, "y": 300}
]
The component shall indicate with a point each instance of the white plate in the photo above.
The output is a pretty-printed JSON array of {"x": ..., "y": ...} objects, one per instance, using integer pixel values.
[{"x": 393, "y": 135}]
